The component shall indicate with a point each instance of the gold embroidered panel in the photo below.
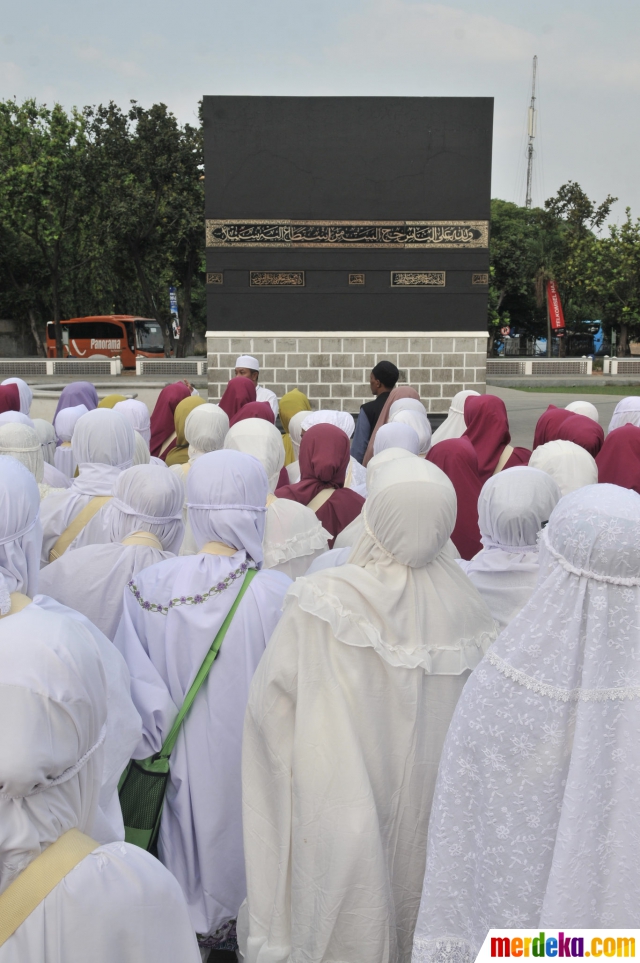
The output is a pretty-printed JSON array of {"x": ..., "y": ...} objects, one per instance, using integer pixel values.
[
  {"x": 479, "y": 278},
  {"x": 418, "y": 279},
  {"x": 215, "y": 277},
  {"x": 356, "y": 279},
  {"x": 276, "y": 278},
  {"x": 241, "y": 232}
]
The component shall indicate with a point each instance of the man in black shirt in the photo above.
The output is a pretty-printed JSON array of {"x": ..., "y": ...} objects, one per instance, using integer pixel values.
[{"x": 383, "y": 378}]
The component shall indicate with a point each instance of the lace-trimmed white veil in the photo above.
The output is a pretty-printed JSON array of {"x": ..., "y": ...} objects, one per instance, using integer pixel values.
[{"x": 534, "y": 820}]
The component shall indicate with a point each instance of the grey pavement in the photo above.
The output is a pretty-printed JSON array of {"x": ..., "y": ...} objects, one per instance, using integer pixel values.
[{"x": 524, "y": 408}]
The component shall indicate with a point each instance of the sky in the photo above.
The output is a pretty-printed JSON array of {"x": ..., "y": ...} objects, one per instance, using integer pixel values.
[{"x": 80, "y": 52}]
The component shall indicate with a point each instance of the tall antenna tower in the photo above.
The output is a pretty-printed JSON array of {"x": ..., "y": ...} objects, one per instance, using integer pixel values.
[{"x": 531, "y": 130}]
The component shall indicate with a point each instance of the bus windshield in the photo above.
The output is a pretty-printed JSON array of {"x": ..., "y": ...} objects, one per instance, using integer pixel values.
[{"x": 149, "y": 336}]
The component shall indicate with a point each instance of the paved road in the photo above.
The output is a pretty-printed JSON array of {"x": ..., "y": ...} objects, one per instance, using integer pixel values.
[
  {"x": 525, "y": 408},
  {"x": 45, "y": 407}
]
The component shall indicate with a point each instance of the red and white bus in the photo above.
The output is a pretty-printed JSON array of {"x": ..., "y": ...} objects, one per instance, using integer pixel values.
[{"x": 123, "y": 336}]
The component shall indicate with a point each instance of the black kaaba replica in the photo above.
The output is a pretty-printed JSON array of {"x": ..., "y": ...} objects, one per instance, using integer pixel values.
[{"x": 358, "y": 214}]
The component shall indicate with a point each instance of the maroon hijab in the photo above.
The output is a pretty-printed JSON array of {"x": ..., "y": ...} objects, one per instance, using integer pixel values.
[
  {"x": 240, "y": 391},
  {"x": 457, "y": 458},
  {"x": 619, "y": 458},
  {"x": 162, "y": 420},
  {"x": 254, "y": 409},
  {"x": 558, "y": 424},
  {"x": 9, "y": 398},
  {"x": 488, "y": 431},
  {"x": 324, "y": 459}
]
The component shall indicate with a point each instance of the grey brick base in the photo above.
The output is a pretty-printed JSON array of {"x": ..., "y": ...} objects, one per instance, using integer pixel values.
[{"x": 333, "y": 370}]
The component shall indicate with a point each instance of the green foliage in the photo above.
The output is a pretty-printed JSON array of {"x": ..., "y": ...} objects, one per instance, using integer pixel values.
[
  {"x": 100, "y": 211},
  {"x": 597, "y": 272}
]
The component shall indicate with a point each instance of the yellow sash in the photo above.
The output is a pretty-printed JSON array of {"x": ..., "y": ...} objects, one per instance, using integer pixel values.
[
  {"x": 503, "y": 459},
  {"x": 19, "y": 601},
  {"x": 82, "y": 518},
  {"x": 271, "y": 499},
  {"x": 166, "y": 444},
  {"x": 320, "y": 499},
  {"x": 40, "y": 877},
  {"x": 143, "y": 538},
  {"x": 217, "y": 548}
]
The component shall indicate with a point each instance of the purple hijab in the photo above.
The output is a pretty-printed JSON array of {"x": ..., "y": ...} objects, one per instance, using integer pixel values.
[{"x": 77, "y": 393}]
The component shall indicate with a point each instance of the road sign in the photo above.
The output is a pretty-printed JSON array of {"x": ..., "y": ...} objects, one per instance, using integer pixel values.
[{"x": 173, "y": 306}]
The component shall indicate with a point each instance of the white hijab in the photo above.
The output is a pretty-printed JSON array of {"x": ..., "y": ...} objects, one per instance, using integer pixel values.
[
  {"x": 396, "y": 435},
  {"x": 20, "y": 531},
  {"x": 53, "y": 701},
  {"x": 293, "y": 536},
  {"x": 410, "y": 411},
  {"x": 137, "y": 414},
  {"x": 103, "y": 446},
  {"x": 92, "y": 578},
  {"x": 22, "y": 443},
  {"x": 15, "y": 417},
  {"x": 295, "y": 430},
  {"x": 626, "y": 412},
  {"x": 141, "y": 454},
  {"x": 340, "y": 419},
  {"x": 47, "y": 436},
  {"x": 584, "y": 408},
  {"x": 570, "y": 465},
  {"x": 454, "y": 425},
  {"x": 64, "y": 425},
  {"x": 146, "y": 498},
  {"x": 226, "y": 501},
  {"x": 513, "y": 507},
  {"x": 26, "y": 394},
  {"x": 401, "y": 593},
  {"x": 205, "y": 429},
  {"x": 255, "y": 436},
  {"x": 350, "y": 535},
  {"x": 540, "y": 762},
  {"x": 66, "y": 421}
]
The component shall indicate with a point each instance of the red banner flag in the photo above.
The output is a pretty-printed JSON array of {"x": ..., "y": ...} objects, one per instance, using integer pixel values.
[{"x": 555, "y": 306}]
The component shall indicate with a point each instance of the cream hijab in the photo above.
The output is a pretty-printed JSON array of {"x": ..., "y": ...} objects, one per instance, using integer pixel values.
[{"x": 401, "y": 593}]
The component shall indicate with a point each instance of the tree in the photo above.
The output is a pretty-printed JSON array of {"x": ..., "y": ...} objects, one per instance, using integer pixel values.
[
  {"x": 608, "y": 269},
  {"x": 151, "y": 201},
  {"x": 43, "y": 198},
  {"x": 523, "y": 242}
]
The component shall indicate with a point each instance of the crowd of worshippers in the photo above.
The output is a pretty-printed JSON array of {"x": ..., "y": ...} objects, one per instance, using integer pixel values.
[{"x": 398, "y": 673}]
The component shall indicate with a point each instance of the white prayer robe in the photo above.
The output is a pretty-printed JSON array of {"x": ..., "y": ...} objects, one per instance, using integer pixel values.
[
  {"x": 201, "y": 831},
  {"x": 315, "y": 757},
  {"x": 119, "y": 905},
  {"x": 347, "y": 716},
  {"x": 92, "y": 579}
]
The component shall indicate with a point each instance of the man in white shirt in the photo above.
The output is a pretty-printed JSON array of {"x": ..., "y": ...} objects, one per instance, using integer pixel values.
[{"x": 248, "y": 367}]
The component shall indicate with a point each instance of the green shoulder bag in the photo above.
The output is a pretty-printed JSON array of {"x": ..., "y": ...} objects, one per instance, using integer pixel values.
[{"x": 144, "y": 782}]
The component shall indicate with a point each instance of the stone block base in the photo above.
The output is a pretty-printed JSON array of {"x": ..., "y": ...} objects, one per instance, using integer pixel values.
[{"x": 333, "y": 369}]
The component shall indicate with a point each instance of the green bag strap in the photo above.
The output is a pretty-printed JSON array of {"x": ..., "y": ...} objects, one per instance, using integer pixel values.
[{"x": 203, "y": 671}]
